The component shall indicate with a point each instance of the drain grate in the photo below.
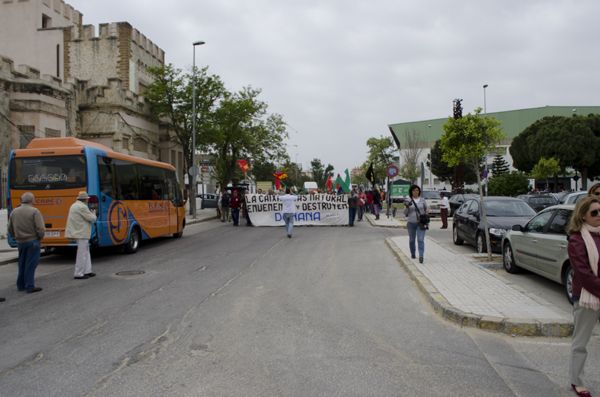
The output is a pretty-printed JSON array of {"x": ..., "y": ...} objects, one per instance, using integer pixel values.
[{"x": 131, "y": 273}]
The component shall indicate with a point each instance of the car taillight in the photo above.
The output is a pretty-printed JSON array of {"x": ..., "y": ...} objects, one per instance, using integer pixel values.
[{"x": 94, "y": 204}]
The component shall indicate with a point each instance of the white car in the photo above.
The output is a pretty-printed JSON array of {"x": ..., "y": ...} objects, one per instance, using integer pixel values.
[{"x": 433, "y": 200}]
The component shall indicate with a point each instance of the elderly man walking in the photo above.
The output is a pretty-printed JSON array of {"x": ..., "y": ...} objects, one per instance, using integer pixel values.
[
  {"x": 26, "y": 225},
  {"x": 79, "y": 227}
]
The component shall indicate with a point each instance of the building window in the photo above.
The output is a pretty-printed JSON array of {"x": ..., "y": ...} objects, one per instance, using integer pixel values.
[
  {"x": 27, "y": 135},
  {"x": 51, "y": 133},
  {"x": 140, "y": 145},
  {"x": 58, "y": 60},
  {"x": 126, "y": 143},
  {"x": 46, "y": 21}
]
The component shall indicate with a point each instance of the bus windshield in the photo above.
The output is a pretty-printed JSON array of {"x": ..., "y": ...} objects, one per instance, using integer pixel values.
[{"x": 48, "y": 173}]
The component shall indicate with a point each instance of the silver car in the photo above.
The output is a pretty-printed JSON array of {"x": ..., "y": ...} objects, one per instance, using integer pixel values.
[{"x": 541, "y": 246}]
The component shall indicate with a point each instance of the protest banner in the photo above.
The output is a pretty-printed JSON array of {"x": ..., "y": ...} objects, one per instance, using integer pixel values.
[{"x": 312, "y": 209}]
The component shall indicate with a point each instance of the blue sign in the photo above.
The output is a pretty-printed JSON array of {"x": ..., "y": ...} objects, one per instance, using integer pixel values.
[{"x": 392, "y": 171}]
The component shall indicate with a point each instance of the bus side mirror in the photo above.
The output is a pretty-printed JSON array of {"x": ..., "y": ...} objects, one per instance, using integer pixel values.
[{"x": 185, "y": 194}]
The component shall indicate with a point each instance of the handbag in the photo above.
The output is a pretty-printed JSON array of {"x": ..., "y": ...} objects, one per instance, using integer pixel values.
[{"x": 423, "y": 218}]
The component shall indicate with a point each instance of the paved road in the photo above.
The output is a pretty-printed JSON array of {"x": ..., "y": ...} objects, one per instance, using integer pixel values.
[{"x": 243, "y": 311}]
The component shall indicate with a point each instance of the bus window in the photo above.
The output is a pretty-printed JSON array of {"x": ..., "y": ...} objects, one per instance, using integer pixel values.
[
  {"x": 106, "y": 176},
  {"x": 174, "y": 191},
  {"x": 127, "y": 180},
  {"x": 48, "y": 172},
  {"x": 152, "y": 183}
]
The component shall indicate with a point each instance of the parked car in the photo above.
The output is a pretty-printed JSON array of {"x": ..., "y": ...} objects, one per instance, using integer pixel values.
[
  {"x": 538, "y": 201},
  {"x": 572, "y": 198},
  {"x": 457, "y": 200},
  {"x": 433, "y": 200},
  {"x": 559, "y": 195},
  {"x": 541, "y": 246},
  {"x": 502, "y": 213},
  {"x": 208, "y": 200}
]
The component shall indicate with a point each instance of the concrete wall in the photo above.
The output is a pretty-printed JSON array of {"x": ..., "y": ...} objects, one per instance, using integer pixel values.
[
  {"x": 24, "y": 39},
  {"x": 3, "y": 223}
]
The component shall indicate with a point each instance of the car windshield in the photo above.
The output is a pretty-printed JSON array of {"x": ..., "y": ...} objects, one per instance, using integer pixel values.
[
  {"x": 543, "y": 200},
  {"x": 508, "y": 208},
  {"x": 429, "y": 195}
]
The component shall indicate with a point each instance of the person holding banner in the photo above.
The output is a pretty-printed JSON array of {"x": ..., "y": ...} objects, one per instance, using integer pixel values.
[
  {"x": 289, "y": 209},
  {"x": 352, "y": 206}
]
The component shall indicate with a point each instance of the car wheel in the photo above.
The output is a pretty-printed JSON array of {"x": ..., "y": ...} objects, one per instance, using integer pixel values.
[
  {"x": 508, "y": 259},
  {"x": 481, "y": 247},
  {"x": 457, "y": 240},
  {"x": 569, "y": 283},
  {"x": 132, "y": 246}
]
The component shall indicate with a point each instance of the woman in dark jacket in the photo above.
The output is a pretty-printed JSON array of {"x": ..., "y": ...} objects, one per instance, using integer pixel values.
[
  {"x": 376, "y": 203},
  {"x": 584, "y": 252},
  {"x": 352, "y": 206}
]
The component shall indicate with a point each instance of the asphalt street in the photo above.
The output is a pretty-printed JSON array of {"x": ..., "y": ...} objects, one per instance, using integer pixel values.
[{"x": 243, "y": 311}]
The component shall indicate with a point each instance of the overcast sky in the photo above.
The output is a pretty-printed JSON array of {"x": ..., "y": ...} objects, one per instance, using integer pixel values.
[{"x": 340, "y": 71}]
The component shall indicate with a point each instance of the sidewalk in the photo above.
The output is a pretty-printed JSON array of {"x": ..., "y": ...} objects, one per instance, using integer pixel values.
[
  {"x": 9, "y": 254},
  {"x": 470, "y": 295},
  {"x": 384, "y": 221}
]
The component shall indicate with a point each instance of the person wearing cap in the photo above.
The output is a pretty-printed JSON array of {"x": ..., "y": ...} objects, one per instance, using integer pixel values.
[
  {"x": 234, "y": 206},
  {"x": 79, "y": 228},
  {"x": 26, "y": 226}
]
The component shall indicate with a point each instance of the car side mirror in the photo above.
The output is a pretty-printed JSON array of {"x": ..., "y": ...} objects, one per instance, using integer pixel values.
[{"x": 517, "y": 228}]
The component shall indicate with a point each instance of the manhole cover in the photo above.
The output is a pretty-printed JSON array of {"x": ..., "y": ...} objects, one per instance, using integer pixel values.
[{"x": 131, "y": 273}]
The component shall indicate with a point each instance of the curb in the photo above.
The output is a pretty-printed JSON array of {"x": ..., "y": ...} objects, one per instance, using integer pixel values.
[
  {"x": 197, "y": 220},
  {"x": 509, "y": 326},
  {"x": 372, "y": 222}
]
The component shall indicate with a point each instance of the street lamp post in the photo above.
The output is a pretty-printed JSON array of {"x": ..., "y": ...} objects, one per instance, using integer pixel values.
[
  {"x": 296, "y": 169},
  {"x": 485, "y": 115},
  {"x": 194, "y": 167},
  {"x": 430, "y": 158}
]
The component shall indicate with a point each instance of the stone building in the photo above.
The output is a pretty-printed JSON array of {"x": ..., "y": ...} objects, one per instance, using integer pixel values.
[{"x": 58, "y": 78}]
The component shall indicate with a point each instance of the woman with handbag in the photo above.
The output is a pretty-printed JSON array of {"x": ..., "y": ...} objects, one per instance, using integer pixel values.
[
  {"x": 417, "y": 221},
  {"x": 584, "y": 252}
]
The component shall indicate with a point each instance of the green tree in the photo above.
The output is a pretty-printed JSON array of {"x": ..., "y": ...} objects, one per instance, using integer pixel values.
[
  {"x": 380, "y": 154},
  {"x": 509, "y": 184},
  {"x": 171, "y": 96},
  {"x": 467, "y": 140},
  {"x": 320, "y": 172},
  {"x": 544, "y": 168},
  {"x": 445, "y": 172},
  {"x": 263, "y": 170},
  {"x": 240, "y": 129},
  {"x": 411, "y": 153},
  {"x": 499, "y": 166}
]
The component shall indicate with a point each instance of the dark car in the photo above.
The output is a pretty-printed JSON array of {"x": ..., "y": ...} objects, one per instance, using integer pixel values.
[
  {"x": 502, "y": 213},
  {"x": 538, "y": 201},
  {"x": 208, "y": 200},
  {"x": 459, "y": 199}
]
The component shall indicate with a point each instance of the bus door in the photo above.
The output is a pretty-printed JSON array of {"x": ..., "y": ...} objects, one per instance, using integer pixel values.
[
  {"x": 173, "y": 206},
  {"x": 107, "y": 198}
]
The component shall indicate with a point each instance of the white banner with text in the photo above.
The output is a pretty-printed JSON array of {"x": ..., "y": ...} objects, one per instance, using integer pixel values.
[{"x": 312, "y": 209}]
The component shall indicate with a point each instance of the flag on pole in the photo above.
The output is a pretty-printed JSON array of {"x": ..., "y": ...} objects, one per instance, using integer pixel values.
[
  {"x": 243, "y": 165},
  {"x": 329, "y": 183},
  {"x": 341, "y": 184},
  {"x": 279, "y": 177},
  {"x": 370, "y": 175}
]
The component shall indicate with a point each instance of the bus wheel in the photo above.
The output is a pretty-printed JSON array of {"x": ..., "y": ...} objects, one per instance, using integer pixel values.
[
  {"x": 134, "y": 242},
  {"x": 178, "y": 235}
]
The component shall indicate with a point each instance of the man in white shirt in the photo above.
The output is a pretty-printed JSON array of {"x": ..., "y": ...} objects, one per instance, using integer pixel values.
[
  {"x": 289, "y": 209},
  {"x": 444, "y": 206}
]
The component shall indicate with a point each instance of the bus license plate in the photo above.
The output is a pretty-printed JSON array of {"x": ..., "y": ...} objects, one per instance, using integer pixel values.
[{"x": 52, "y": 234}]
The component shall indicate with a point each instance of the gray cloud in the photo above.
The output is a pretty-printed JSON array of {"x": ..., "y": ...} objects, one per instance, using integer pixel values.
[{"x": 340, "y": 71}]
